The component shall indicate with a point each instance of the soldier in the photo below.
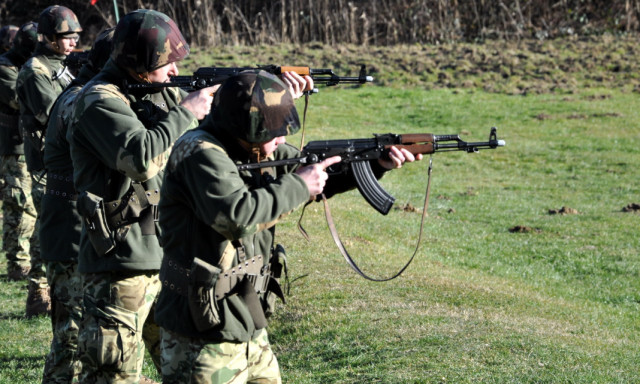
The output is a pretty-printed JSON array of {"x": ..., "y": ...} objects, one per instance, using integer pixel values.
[
  {"x": 218, "y": 228},
  {"x": 7, "y": 34},
  {"x": 42, "y": 78},
  {"x": 119, "y": 141},
  {"x": 60, "y": 225},
  {"x": 18, "y": 210}
]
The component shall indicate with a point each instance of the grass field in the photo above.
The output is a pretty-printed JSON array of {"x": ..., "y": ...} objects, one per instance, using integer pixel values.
[{"x": 501, "y": 291}]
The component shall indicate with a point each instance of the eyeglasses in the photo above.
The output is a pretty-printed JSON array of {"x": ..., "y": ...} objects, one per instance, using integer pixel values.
[{"x": 75, "y": 38}]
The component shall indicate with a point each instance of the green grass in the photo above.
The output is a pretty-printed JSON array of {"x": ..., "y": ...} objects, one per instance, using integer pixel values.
[{"x": 556, "y": 304}]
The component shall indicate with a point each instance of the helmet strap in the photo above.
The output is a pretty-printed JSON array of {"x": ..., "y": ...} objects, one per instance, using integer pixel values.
[{"x": 140, "y": 77}]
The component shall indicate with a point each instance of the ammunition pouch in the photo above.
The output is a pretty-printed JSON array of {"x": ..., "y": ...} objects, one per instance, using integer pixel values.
[
  {"x": 277, "y": 265},
  {"x": 203, "y": 304},
  {"x": 91, "y": 208},
  {"x": 111, "y": 221},
  {"x": 139, "y": 207}
]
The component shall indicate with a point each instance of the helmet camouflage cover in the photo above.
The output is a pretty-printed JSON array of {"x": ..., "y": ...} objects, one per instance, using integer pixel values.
[
  {"x": 101, "y": 49},
  {"x": 7, "y": 33},
  {"x": 146, "y": 40},
  {"x": 58, "y": 19},
  {"x": 255, "y": 106},
  {"x": 26, "y": 38}
]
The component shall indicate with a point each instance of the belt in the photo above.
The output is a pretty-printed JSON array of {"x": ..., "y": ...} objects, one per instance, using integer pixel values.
[
  {"x": 176, "y": 277},
  {"x": 61, "y": 186}
]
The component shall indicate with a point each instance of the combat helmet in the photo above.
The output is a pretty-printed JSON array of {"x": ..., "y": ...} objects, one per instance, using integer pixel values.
[
  {"x": 26, "y": 39},
  {"x": 146, "y": 40},
  {"x": 255, "y": 106},
  {"x": 7, "y": 34},
  {"x": 58, "y": 20},
  {"x": 101, "y": 49}
]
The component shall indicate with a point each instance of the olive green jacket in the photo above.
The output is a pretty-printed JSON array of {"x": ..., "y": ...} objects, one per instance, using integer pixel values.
[
  {"x": 205, "y": 205},
  {"x": 40, "y": 81},
  {"x": 117, "y": 138},
  {"x": 60, "y": 223}
]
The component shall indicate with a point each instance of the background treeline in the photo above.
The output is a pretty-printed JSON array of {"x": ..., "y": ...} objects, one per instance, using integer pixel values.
[{"x": 364, "y": 22}]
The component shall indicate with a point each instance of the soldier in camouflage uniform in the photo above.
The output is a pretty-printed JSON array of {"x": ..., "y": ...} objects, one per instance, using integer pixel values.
[
  {"x": 18, "y": 210},
  {"x": 120, "y": 140},
  {"x": 218, "y": 228},
  {"x": 40, "y": 81},
  {"x": 7, "y": 34},
  {"x": 60, "y": 225}
]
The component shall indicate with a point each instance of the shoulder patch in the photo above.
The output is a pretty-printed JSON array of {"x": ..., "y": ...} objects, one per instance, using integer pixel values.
[
  {"x": 38, "y": 66},
  {"x": 190, "y": 143},
  {"x": 108, "y": 90}
]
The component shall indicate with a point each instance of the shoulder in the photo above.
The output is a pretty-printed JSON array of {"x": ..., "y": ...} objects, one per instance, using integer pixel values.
[
  {"x": 193, "y": 142},
  {"x": 98, "y": 91},
  {"x": 67, "y": 99},
  {"x": 36, "y": 65},
  {"x": 286, "y": 151},
  {"x": 6, "y": 62}
]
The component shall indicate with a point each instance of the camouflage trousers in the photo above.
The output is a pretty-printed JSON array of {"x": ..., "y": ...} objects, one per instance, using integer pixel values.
[
  {"x": 37, "y": 275},
  {"x": 188, "y": 360},
  {"x": 18, "y": 211},
  {"x": 62, "y": 364},
  {"x": 117, "y": 325}
]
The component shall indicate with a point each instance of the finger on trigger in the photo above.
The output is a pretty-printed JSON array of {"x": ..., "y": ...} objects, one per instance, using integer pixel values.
[{"x": 326, "y": 163}]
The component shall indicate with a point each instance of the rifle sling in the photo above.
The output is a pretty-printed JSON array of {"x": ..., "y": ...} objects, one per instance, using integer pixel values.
[
  {"x": 304, "y": 118},
  {"x": 343, "y": 250}
]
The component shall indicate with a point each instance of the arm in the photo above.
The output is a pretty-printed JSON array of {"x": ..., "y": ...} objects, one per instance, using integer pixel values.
[
  {"x": 223, "y": 200},
  {"x": 124, "y": 143},
  {"x": 37, "y": 92},
  {"x": 8, "y": 94}
]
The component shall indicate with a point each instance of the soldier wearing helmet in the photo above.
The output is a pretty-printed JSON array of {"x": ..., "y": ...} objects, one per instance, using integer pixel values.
[
  {"x": 18, "y": 210},
  {"x": 7, "y": 34},
  {"x": 120, "y": 140},
  {"x": 60, "y": 225},
  {"x": 41, "y": 79},
  {"x": 218, "y": 226}
]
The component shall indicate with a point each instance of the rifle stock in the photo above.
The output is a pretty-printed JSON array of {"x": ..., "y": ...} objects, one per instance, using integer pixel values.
[{"x": 356, "y": 154}]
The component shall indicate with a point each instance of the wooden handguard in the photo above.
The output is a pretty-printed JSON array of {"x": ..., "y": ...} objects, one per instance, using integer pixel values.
[{"x": 302, "y": 71}]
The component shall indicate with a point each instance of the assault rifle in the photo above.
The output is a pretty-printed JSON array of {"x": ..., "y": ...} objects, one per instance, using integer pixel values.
[
  {"x": 208, "y": 76},
  {"x": 356, "y": 154}
]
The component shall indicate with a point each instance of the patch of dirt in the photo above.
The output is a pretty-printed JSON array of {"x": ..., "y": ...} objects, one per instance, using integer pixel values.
[
  {"x": 633, "y": 207},
  {"x": 524, "y": 229},
  {"x": 564, "y": 211},
  {"x": 408, "y": 208},
  {"x": 543, "y": 116}
]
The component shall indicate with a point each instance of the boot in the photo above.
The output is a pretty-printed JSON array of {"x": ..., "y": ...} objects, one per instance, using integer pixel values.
[
  {"x": 38, "y": 301},
  {"x": 18, "y": 273}
]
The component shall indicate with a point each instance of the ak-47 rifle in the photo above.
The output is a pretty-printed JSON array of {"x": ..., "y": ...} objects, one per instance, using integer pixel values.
[
  {"x": 356, "y": 154},
  {"x": 208, "y": 76}
]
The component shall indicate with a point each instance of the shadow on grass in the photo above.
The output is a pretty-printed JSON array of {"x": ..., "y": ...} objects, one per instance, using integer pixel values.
[
  {"x": 22, "y": 362},
  {"x": 13, "y": 316}
]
